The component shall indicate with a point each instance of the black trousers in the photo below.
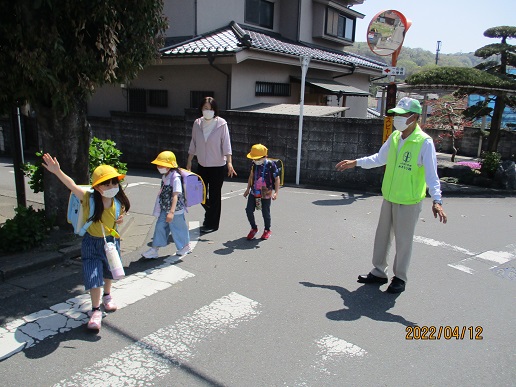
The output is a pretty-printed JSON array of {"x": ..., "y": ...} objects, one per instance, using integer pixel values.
[{"x": 213, "y": 178}]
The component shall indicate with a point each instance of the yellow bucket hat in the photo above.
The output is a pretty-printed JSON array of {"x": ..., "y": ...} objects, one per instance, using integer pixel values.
[
  {"x": 257, "y": 152},
  {"x": 103, "y": 173},
  {"x": 166, "y": 159}
]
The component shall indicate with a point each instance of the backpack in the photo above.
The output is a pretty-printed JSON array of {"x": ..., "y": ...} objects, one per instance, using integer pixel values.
[
  {"x": 194, "y": 188},
  {"x": 280, "y": 172},
  {"x": 75, "y": 213}
]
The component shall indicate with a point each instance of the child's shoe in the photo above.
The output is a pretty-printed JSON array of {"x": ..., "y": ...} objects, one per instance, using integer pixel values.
[
  {"x": 152, "y": 253},
  {"x": 185, "y": 250},
  {"x": 252, "y": 233},
  {"x": 109, "y": 304},
  {"x": 266, "y": 234},
  {"x": 95, "y": 320}
]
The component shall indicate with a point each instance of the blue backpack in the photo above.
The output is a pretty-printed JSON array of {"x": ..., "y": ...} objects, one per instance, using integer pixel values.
[{"x": 75, "y": 213}]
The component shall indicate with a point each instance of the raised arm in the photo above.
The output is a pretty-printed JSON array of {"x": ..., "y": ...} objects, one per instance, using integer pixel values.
[{"x": 52, "y": 165}]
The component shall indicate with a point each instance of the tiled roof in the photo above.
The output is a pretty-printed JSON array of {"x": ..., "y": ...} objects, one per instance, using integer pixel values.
[{"x": 234, "y": 38}]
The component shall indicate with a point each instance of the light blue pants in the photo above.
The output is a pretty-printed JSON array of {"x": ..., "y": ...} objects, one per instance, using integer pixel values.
[{"x": 178, "y": 228}]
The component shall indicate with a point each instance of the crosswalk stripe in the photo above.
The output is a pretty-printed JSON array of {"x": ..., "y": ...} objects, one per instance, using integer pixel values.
[
  {"x": 29, "y": 330},
  {"x": 330, "y": 351},
  {"x": 32, "y": 329},
  {"x": 485, "y": 261},
  {"x": 151, "y": 357}
]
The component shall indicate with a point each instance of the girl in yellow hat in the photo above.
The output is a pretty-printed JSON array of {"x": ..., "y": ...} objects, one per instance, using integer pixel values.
[
  {"x": 262, "y": 187},
  {"x": 95, "y": 267},
  {"x": 169, "y": 209}
]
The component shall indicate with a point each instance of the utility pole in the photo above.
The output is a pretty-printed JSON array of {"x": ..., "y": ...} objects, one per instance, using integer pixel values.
[{"x": 437, "y": 51}]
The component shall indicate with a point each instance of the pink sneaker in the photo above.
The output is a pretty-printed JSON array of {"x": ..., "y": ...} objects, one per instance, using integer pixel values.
[
  {"x": 109, "y": 304},
  {"x": 95, "y": 321}
]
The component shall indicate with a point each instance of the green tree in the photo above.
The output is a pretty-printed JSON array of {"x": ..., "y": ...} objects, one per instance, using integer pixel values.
[
  {"x": 489, "y": 78},
  {"x": 55, "y": 53}
]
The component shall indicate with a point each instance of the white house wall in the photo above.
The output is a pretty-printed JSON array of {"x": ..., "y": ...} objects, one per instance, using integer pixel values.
[
  {"x": 107, "y": 98},
  {"x": 246, "y": 74}
]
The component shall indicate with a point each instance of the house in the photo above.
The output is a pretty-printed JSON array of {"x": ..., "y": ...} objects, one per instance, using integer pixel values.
[{"x": 246, "y": 53}]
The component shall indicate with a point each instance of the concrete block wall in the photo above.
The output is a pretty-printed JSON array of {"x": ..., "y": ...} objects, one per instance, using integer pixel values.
[{"x": 326, "y": 140}]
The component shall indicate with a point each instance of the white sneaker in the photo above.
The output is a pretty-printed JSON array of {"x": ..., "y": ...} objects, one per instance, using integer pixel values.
[
  {"x": 152, "y": 253},
  {"x": 185, "y": 250}
]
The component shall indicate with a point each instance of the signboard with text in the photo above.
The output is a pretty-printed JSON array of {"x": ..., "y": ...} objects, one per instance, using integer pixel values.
[{"x": 393, "y": 71}]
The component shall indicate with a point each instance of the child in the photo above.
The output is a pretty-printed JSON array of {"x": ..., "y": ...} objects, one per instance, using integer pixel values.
[
  {"x": 95, "y": 267},
  {"x": 263, "y": 178},
  {"x": 169, "y": 208}
]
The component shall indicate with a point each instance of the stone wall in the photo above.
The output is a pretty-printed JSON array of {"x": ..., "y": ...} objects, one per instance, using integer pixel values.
[
  {"x": 469, "y": 144},
  {"x": 326, "y": 140}
]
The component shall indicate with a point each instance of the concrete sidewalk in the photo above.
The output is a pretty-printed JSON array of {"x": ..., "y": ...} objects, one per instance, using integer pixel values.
[{"x": 136, "y": 232}]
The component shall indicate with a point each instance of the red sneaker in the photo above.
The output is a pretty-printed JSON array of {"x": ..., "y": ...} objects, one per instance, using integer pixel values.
[
  {"x": 252, "y": 233},
  {"x": 266, "y": 234}
]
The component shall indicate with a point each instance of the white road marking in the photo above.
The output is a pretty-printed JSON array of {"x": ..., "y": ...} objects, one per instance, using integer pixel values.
[
  {"x": 476, "y": 261},
  {"x": 130, "y": 185},
  {"x": 331, "y": 351},
  {"x": 233, "y": 194},
  {"x": 434, "y": 243},
  {"x": 32, "y": 329},
  {"x": 479, "y": 262},
  {"x": 153, "y": 356}
]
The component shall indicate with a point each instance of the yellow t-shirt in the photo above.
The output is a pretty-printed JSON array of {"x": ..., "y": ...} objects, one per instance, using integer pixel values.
[{"x": 108, "y": 217}]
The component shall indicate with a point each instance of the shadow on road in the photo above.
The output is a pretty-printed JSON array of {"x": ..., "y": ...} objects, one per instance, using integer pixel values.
[
  {"x": 367, "y": 301},
  {"x": 238, "y": 244},
  {"x": 347, "y": 198}
]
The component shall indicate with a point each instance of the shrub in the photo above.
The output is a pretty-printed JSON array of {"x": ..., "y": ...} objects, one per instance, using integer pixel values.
[
  {"x": 100, "y": 152},
  {"x": 26, "y": 230},
  {"x": 490, "y": 163},
  {"x": 105, "y": 152},
  {"x": 35, "y": 173}
]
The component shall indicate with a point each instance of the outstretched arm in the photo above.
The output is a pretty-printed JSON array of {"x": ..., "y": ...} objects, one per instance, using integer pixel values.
[
  {"x": 345, "y": 164},
  {"x": 52, "y": 165}
]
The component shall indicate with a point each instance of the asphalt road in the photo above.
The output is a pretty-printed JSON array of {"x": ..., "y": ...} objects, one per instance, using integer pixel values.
[{"x": 286, "y": 311}]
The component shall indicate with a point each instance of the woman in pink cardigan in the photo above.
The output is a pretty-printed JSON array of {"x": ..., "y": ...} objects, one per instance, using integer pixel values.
[{"x": 212, "y": 146}]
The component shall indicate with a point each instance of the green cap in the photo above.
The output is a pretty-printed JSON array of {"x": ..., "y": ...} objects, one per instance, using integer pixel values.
[{"x": 407, "y": 105}]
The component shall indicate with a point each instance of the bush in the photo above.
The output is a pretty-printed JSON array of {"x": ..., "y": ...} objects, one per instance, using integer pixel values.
[
  {"x": 26, "y": 230},
  {"x": 490, "y": 163},
  {"x": 105, "y": 152},
  {"x": 100, "y": 152},
  {"x": 35, "y": 173}
]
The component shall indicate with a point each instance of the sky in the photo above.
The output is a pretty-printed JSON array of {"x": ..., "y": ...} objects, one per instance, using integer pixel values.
[{"x": 458, "y": 24}]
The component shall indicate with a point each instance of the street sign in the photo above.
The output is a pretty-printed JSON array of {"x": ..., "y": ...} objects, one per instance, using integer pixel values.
[
  {"x": 393, "y": 71},
  {"x": 387, "y": 127}
]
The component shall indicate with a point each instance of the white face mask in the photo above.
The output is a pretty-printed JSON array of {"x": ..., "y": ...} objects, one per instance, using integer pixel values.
[
  {"x": 259, "y": 162},
  {"x": 163, "y": 170},
  {"x": 400, "y": 123},
  {"x": 110, "y": 193},
  {"x": 208, "y": 114}
]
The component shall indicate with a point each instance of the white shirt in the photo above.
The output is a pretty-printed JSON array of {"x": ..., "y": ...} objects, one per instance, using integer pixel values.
[{"x": 426, "y": 158}]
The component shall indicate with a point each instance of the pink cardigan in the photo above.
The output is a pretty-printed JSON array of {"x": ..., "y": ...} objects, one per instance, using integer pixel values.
[{"x": 211, "y": 153}]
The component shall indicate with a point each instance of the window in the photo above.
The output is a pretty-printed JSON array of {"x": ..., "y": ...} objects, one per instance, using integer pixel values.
[
  {"x": 260, "y": 12},
  {"x": 196, "y": 97},
  {"x": 158, "y": 98},
  {"x": 137, "y": 100},
  {"x": 270, "y": 89},
  {"x": 340, "y": 25}
]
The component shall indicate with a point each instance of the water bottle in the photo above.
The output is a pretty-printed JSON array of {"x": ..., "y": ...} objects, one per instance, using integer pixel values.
[
  {"x": 115, "y": 263},
  {"x": 258, "y": 202}
]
